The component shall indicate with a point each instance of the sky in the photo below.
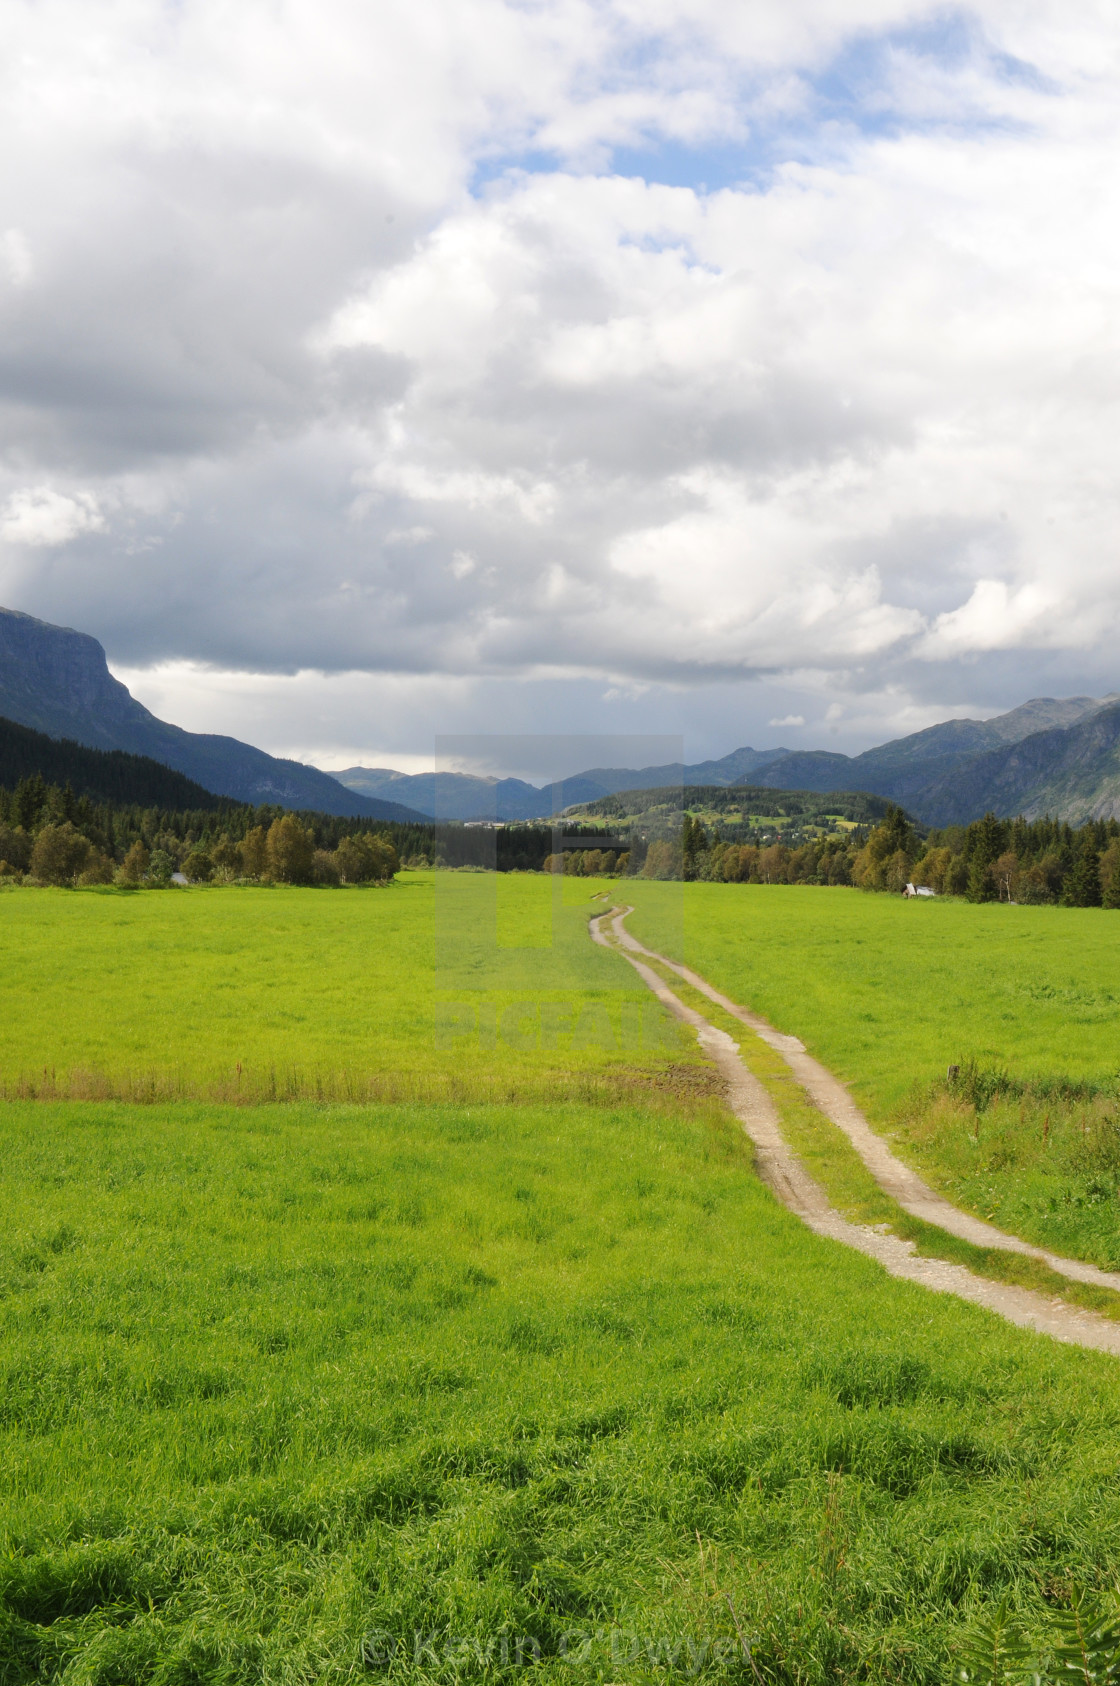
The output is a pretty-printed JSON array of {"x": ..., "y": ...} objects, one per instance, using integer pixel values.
[{"x": 752, "y": 372}]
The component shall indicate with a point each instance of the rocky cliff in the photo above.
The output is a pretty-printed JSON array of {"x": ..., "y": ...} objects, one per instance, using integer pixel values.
[{"x": 57, "y": 681}]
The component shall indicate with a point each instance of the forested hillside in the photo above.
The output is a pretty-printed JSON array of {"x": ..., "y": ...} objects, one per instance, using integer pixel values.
[
  {"x": 103, "y": 775},
  {"x": 742, "y": 803}
]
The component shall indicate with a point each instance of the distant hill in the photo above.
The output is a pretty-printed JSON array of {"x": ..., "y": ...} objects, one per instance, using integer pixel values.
[
  {"x": 1042, "y": 757},
  {"x": 466, "y": 796},
  {"x": 757, "y": 800},
  {"x": 451, "y": 796},
  {"x": 57, "y": 682},
  {"x": 104, "y": 775}
]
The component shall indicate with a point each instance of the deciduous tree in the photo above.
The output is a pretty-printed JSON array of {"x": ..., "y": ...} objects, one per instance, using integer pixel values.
[
  {"x": 1006, "y": 874},
  {"x": 198, "y": 868},
  {"x": 160, "y": 868},
  {"x": 253, "y": 850},
  {"x": 15, "y": 847},
  {"x": 290, "y": 851},
  {"x": 1110, "y": 875},
  {"x": 324, "y": 867},
  {"x": 135, "y": 865},
  {"x": 366, "y": 860},
  {"x": 59, "y": 855}
]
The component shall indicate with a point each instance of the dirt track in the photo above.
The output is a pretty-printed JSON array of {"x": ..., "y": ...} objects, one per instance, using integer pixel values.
[{"x": 784, "y": 1174}]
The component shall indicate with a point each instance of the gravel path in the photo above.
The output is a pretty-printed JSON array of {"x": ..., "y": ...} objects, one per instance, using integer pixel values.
[{"x": 784, "y": 1174}]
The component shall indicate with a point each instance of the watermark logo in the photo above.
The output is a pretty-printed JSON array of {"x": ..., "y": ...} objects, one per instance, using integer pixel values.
[
  {"x": 687, "y": 1655},
  {"x": 515, "y": 966},
  {"x": 571, "y": 1025}
]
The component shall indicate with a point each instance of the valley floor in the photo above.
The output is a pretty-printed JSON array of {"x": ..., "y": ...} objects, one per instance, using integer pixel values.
[{"x": 301, "y": 1392}]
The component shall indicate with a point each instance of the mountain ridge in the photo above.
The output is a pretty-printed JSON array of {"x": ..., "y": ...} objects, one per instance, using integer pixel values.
[
  {"x": 926, "y": 772},
  {"x": 1069, "y": 772},
  {"x": 1058, "y": 755},
  {"x": 56, "y": 680}
]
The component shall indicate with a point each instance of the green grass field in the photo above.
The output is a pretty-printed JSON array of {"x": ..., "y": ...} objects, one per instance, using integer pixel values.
[
  {"x": 279, "y": 1379},
  {"x": 320, "y": 1392},
  {"x": 888, "y": 993},
  {"x": 270, "y": 993}
]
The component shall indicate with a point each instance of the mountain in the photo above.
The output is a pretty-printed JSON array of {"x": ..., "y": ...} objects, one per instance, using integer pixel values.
[
  {"x": 1045, "y": 756},
  {"x": 1071, "y": 772},
  {"x": 104, "y": 775},
  {"x": 466, "y": 796},
  {"x": 906, "y": 768},
  {"x": 57, "y": 681},
  {"x": 1051, "y": 755},
  {"x": 452, "y": 796}
]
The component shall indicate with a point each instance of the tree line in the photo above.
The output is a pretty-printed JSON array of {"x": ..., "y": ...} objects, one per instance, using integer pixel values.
[
  {"x": 1032, "y": 861},
  {"x": 49, "y": 835},
  {"x": 105, "y": 775},
  {"x": 590, "y": 863},
  {"x": 513, "y": 847},
  {"x": 1038, "y": 862}
]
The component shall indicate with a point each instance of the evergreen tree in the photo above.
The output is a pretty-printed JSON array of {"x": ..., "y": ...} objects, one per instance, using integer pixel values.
[
  {"x": 897, "y": 833},
  {"x": 694, "y": 840},
  {"x": 987, "y": 840},
  {"x": 1082, "y": 887},
  {"x": 30, "y": 800}
]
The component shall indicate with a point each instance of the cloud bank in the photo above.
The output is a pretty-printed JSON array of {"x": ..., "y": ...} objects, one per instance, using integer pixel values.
[{"x": 745, "y": 368}]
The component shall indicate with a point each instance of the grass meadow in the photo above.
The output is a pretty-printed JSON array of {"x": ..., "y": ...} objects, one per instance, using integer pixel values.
[
  {"x": 416, "y": 991},
  {"x": 459, "y": 1389},
  {"x": 888, "y": 993},
  {"x": 300, "y": 1393}
]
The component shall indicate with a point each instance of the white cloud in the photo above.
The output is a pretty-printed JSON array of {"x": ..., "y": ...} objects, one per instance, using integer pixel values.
[
  {"x": 994, "y": 618},
  {"x": 788, "y": 720},
  {"x": 41, "y": 517},
  {"x": 318, "y": 300},
  {"x": 409, "y": 535},
  {"x": 15, "y": 257}
]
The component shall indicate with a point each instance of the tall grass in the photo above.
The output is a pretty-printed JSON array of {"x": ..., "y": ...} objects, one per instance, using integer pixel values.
[
  {"x": 1040, "y": 1157},
  {"x": 305, "y": 1394},
  {"x": 890, "y": 994},
  {"x": 252, "y": 1086}
]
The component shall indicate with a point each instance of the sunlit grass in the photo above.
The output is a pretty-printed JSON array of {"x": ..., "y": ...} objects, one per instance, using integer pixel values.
[
  {"x": 276, "y": 1379},
  {"x": 308, "y": 1393},
  {"x": 833, "y": 1162},
  {"x": 889, "y": 993},
  {"x": 259, "y": 994}
]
